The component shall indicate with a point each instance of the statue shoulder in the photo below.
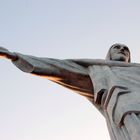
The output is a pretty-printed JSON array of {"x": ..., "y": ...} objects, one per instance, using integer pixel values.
[
  {"x": 87, "y": 62},
  {"x": 102, "y": 62}
]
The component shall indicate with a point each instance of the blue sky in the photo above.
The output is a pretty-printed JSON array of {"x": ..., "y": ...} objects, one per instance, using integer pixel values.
[{"x": 33, "y": 108}]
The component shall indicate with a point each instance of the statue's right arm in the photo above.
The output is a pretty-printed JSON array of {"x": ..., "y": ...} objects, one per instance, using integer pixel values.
[
  {"x": 5, "y": 53},
  {"x": 64, "y": 72}
]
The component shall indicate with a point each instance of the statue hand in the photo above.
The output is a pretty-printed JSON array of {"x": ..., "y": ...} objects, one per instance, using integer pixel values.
[{"x": 7, "y": 54}]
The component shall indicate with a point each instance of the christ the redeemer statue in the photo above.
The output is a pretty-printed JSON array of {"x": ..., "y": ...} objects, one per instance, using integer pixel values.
[{"x": 111, "y": 85}]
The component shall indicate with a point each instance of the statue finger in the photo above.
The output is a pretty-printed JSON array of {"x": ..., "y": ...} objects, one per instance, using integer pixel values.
[{"x": 2, "y": 48}]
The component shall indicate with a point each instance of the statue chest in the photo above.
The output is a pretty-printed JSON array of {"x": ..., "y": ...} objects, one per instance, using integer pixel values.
[{"x": 116, "y": 90}]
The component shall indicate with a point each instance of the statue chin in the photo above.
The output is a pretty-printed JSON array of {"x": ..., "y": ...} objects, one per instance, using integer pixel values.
[{"x": 123, "y": 59}]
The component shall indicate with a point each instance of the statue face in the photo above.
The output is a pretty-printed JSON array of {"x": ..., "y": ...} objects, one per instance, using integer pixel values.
[{"x": 119, "y": 52}]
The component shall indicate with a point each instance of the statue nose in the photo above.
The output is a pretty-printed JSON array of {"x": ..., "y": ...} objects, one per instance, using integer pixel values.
[{"x": 122, "y": 49}]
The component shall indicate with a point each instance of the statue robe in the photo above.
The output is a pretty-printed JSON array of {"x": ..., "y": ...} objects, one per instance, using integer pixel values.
[{"x": 114, "y": 88}]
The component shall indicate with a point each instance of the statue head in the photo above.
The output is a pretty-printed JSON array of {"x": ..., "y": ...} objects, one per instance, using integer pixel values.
[{"x": 119, "y": 52}]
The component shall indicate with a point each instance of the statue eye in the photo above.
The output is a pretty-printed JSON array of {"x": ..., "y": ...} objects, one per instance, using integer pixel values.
[
  {"x": 117, "y": 47},
  {"x": 126, "y": 48}
]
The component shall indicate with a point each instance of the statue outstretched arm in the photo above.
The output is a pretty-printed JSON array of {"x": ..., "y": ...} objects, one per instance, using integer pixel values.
[
  {"x": 5, "y": 53},
  {"x": 64, "y": 72}
]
